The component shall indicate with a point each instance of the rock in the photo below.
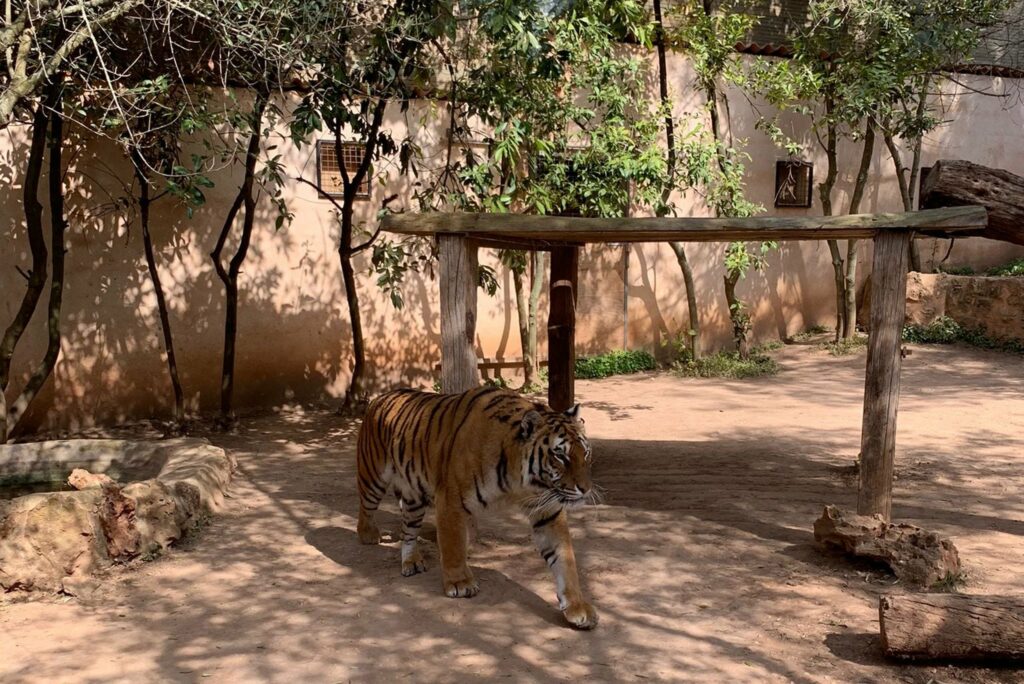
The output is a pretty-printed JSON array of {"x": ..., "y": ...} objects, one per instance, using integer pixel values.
[
  {"x": 117, "y": 519},
  {"x": 83, "y": 479},
  {"x": 80, "y": 586},
  {"x": 915, "y": 555}
]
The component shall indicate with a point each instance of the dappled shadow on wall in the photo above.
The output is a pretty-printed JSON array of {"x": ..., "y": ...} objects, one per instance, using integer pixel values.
[{"x": 294, "y": 341}]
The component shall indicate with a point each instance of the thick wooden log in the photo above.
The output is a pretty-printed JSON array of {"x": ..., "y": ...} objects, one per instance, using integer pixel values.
[
  {"x": 952, "y": 627},
  {"x": 882, "y": 378},
  {"x": 562, "y": 328},
  {"x": 560, "y": 230},
  {"x": 459, "y": 275},
  {"x": 955, "y": 183}
]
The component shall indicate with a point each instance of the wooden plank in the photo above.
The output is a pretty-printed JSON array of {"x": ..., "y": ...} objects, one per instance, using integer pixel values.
[
  {"x": 882, "y": 378},
  {"x": 562, "y": 328},
  {"x": 952, "y": 626},
  {"x": 457, "y": 258},
  {"x": 509, "y": 228},
  {"x": 957, "y": 183}
]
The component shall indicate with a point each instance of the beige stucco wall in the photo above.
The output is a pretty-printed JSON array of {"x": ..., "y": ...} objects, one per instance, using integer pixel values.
[{"x": 294, "y": 342}]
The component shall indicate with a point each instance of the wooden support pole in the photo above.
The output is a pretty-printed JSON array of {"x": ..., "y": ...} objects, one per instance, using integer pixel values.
[
  {"x": 882, "y": 381},
  {"x": 458, "y": 274},
  {"x": 562, "y": 328}
]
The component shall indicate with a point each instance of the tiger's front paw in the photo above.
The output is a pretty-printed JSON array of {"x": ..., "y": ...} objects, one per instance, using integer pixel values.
[
  {"x": 463, "y": 586},
  {"x": 413, "y": 564},
  {"x": 581, "y": 615}
]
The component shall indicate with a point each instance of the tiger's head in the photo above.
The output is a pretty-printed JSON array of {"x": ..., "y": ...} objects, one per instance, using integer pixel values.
[{"x": 556, "y": 454}]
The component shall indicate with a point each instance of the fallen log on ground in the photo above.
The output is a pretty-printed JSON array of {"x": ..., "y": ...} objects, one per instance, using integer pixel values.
[
  {"x": 952, "y": 627},
  {"x": 954, "y": 182},
  {"x": 915, "y": 555}
]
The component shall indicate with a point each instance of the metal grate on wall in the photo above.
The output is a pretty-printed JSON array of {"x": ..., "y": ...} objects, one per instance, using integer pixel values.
[{"x": 328, "y": 172}]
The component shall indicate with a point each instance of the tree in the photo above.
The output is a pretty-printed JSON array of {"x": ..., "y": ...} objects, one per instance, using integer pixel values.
[
  {"x": 864, "y": 68},
  {"x": 357, "y": 75},
  {"x": 708, "y": 34},
  {"x": 664, "y": 207}
]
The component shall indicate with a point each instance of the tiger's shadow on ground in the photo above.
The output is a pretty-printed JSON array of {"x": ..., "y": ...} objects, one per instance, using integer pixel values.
[{"x": 382, "y": 562}]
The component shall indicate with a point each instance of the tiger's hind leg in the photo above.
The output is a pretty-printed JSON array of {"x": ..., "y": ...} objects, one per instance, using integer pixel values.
[
  {"x": 371, "y": 491},
  {"x": 413, "y": 513}
]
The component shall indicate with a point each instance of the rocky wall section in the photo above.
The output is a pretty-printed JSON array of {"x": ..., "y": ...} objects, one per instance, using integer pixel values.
[{"x": 994, "y": 305}]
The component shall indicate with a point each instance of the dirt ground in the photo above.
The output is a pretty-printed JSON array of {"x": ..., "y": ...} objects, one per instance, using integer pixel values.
[{"x": 701, "y": 562}]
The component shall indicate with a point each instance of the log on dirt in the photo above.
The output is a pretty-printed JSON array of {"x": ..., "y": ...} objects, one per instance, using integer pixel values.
[
  {"x": 954, "y": 183},
  {"x": 915, "y": 555},
  {"x": 952, "y": 627}
]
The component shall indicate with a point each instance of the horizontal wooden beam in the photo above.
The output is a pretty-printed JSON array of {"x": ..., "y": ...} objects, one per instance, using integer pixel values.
[{"x": 537, "y": 231}]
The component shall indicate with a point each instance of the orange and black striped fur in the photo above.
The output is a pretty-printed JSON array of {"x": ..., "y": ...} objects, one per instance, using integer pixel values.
[{"x": 467, "y": 452}]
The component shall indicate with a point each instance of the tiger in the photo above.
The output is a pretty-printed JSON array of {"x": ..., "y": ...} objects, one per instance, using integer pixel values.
[{"x": 465, "y": 453}]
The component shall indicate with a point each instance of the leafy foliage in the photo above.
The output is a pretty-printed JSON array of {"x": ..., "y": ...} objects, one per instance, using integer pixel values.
[
  {"x": 617, "y": 362},
  {"x": 727, "y": 364},
  {"x": 945, "y": 330},
  {"x": 1014, "y": 268}
]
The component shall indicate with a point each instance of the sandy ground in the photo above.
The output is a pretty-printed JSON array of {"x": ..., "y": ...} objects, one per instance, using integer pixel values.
[{"x": 701, "y": 561}]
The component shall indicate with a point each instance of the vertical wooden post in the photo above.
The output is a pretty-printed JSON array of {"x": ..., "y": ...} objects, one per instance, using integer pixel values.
[
  {"x": 458, "y": 275},
  {"x": 882, "y": 380},
  {"x": 562, "y": 328}
]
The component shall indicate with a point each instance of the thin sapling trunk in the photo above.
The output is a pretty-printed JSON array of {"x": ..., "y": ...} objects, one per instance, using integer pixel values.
[
  {"x": 246, "y": 198},
  {"x": 139, "y": 165},
  {"x": 850, "y": 286},
  {"x": 58, "y": 229},
  {"x": 37, "y": 245}
]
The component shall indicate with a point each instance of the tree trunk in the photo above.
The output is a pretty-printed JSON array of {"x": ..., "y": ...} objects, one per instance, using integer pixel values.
[
  {"x": 522, "y": 315},
  {"x": 58, "y": 228},
  {"x": 142, "y": 175},
  {"x": 354, "y": 394},
  {"x": 539, "y": 266},
  {"x": 245, "y": 198},
  {"x": 955, "y": 183},
  {"x": 850, "y": 285},
  {"x": 739, "y": 317},
  {"x": 952, "y": 627},
  {"x": 905, "y": 196},
  {"x": 693, "y": 334},
  {"x": 825, "y": 192},
  {"x": 37, "y": 244}
]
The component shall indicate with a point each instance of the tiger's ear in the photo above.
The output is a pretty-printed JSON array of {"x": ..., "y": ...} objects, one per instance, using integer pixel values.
[
  {"x": 529, "y": 424},
  {"x": 573, "y": 413}
]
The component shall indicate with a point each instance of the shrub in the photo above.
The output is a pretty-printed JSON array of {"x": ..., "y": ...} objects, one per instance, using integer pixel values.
[
  {"x": 845, "y": 346},
  {"x": 727, "y": 365},
  {"x": 1014, "y": 268},
  {"x": 945, "y": 330},
  {"x": 956, "y": 270},
  {"x": 618, "y": 362}
]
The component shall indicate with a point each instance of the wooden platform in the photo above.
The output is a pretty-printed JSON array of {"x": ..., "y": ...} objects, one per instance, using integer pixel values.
[
  {"x": 543, "y": 232},
  {"x": 460, "y": 235}
]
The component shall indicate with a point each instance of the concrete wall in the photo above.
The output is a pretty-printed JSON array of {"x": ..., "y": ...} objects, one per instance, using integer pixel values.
[{"x": 294, "y": 342}]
